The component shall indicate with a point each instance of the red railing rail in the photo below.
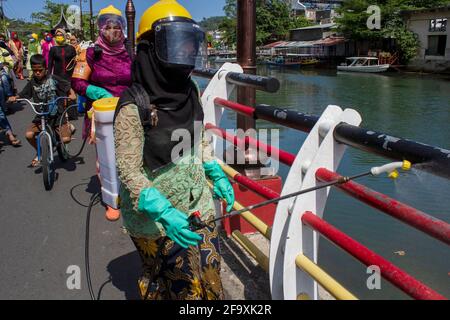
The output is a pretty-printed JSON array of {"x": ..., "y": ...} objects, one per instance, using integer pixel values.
[
  {"x": 390, "y": 272},
  {"x": 420, "y": 220},
  {"x": 283, "y": 156},
  {"x": 409, "y": 215},
  {"x": 237, "y": 107}
]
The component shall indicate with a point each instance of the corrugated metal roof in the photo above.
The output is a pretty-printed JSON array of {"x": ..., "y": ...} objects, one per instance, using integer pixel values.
[{"x": 304, "y": 44}]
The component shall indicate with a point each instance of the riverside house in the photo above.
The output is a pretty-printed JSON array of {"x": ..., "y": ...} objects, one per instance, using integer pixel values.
[{"x": 431, "y": 26}]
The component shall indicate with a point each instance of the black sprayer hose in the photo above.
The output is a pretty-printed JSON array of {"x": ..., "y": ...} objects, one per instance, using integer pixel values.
[
  {"x": 60, "y": 134},
  {"x": 93, "y": 202},
  {"x": 198, "y": 224}
]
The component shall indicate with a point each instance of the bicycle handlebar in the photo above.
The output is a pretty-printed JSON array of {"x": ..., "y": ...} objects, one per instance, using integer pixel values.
[{"x": 33, "y": 104}]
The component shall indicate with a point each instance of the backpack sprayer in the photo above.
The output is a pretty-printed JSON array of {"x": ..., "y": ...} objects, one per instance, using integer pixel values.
[{"x": 391, "y": 168}]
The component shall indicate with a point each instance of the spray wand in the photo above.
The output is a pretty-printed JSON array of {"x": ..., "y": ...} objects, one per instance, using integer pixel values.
[{"x": 391, "y": 168}]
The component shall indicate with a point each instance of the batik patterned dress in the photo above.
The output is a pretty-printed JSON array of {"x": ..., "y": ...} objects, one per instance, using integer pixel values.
[{"x": 170, "y": 272}]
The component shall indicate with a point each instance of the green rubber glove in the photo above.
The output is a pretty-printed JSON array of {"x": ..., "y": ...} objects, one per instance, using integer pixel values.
[
  {"x": 175, "y": 223},
  {"x": 222, "y": 186},
  {"x": 95, "y": 93}
]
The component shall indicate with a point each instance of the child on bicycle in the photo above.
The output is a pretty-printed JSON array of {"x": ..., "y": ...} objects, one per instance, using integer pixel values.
[{"x": 44, "y": 87}]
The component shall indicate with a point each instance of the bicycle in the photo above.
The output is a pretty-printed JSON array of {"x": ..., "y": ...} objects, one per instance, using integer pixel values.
[{"x": 47, "y": 140}]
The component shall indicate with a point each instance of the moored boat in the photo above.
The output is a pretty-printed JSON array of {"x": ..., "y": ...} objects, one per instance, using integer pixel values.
[{"x": 363, "y": 64}]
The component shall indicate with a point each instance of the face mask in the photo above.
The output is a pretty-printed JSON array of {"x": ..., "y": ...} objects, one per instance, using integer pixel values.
[
  {"x": 48, "y": 39},
  {"x": 60, "y": 39},
  {"x": 112, "y": 36},
  {"x": 32, "y": 40}
]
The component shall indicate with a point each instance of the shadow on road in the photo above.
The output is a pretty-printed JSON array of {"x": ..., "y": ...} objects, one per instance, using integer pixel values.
[
  {"x": 69, "y": 165},
  {"x": 124, "y": 273},
  {"x": 92, "y": 187},
  {"x": 12, "y": 108},
  {"x": 254, "y": 280}
]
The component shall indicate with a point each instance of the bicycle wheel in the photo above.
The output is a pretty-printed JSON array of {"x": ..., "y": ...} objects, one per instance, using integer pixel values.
[{"x": 48, "y": 170}]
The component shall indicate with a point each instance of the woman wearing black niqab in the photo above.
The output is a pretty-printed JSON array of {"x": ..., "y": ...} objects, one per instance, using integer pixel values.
[{"x": 164, "y": 181}]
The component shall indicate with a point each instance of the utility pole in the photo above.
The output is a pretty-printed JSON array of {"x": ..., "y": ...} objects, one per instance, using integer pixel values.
[
  {"x": 91, "y": 21},
  {"x": 246, "y": 58},
  {"x": 246, "y": 55},
  {"x": 130, "y": 12},
  {"x": 81, "y": 19},
  {"x": 1, "y": 7},
  {"x": 2, "y": 13}
]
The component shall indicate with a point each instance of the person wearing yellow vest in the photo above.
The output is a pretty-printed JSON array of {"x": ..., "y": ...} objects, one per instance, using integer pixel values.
[{"x": 162, "y": 189}]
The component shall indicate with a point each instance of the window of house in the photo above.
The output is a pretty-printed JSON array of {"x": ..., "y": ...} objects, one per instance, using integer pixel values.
[
  {"x": 438, "y": 25},
  {"x": 436, "y": 45}
]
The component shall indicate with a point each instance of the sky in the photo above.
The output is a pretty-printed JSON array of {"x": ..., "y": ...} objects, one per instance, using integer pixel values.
[{"x": 198, "y": 8}]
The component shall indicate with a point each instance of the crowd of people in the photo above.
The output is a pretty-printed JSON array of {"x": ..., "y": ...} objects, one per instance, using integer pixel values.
[{"x": 157, "y": 96}]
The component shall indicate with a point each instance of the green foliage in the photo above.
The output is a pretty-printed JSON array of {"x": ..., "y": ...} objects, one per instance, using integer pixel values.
[
  {"x": 352, "y": 22},
  {"x": 44, "y": 21},
  {"x": 23, "y": 29},
  {"x": 229, "y": 27},
  {"x": 50, "y": 14},
  {"x": 299, "y": 22},
  {"x": 211, "y": 23},
  {"x": 273, "y": 21}
]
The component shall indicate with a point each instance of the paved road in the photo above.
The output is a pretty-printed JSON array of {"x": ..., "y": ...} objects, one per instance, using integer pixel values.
[{"x": 43, "y": 232}]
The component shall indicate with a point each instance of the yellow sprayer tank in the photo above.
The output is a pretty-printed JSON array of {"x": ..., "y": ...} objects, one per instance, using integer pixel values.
[{"x": 104, "y": 117}]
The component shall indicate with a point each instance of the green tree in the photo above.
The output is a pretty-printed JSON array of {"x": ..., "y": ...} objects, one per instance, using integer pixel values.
[
  {"x": 50, "y": 14},
  {"x": 229, "y": 27},
  {"x": 211, "y": 23},
  {"x": 274, "y": 19},
  {"x": 352, "y": 22}
]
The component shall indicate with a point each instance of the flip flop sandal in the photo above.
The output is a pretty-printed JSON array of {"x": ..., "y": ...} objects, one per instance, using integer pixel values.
[
  {"x": 35, "y": 163},
  {"x": 14, "y": 142}
]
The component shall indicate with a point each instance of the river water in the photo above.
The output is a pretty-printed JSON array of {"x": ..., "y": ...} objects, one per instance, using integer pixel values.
[{"x": 411, "y": 106}]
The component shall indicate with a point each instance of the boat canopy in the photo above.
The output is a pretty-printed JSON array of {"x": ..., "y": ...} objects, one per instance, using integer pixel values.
[{"x": 367, "y": 58}]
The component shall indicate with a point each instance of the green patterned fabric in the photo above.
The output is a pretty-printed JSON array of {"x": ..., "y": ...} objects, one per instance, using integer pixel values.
[{"x": 184, "y": 183}]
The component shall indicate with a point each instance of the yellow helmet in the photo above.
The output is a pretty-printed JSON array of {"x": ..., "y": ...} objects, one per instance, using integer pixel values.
[
  {"x": 110, "y": 10},
  {"x": 110, "y": 14},
  {"x": 160, "y": 10}
]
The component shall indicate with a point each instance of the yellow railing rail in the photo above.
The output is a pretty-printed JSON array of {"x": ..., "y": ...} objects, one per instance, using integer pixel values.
[
  {"x": 322, "y": 278},
  {"x": 257, "y": 223},
  {"x": 252, "y": 249},
  {"x": 302, "y": 262}
]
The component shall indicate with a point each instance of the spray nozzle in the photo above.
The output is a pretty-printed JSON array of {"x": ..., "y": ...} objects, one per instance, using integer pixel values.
[
  {"x": 393, "y": 174},
  {"x": 406, "y": 165},
  {"x": 391, "y": 168}
]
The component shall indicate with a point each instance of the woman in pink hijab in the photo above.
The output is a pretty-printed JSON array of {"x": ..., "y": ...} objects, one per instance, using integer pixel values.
[{"x": 47, "y": 44}]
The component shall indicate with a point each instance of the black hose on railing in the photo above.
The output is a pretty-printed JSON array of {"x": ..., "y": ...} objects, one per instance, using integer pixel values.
[
  {"x": 205, "y": 72},
  {"x": 432, "y": 159},
  {"x": 267, "y": 84},
  {"x": 429, "y": 158},
  {"x": 289, "y": 118},
  {"x": 262, "y": 83}
]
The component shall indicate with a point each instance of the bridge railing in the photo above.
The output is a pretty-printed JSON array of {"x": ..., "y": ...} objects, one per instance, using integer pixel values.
[{"x": 292, "y": 264}]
